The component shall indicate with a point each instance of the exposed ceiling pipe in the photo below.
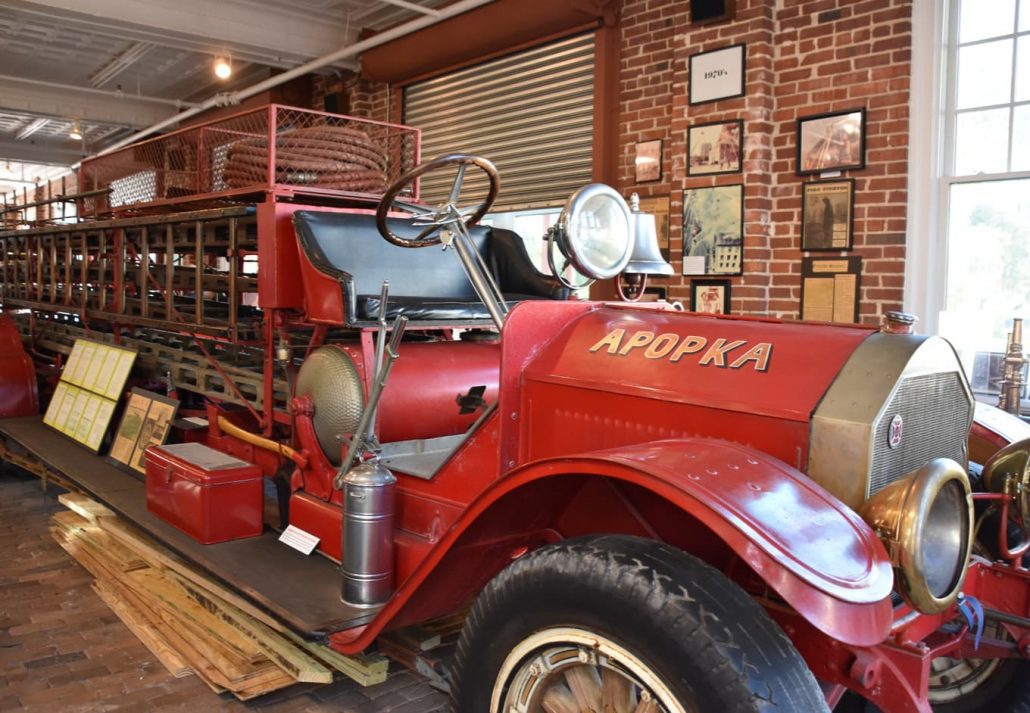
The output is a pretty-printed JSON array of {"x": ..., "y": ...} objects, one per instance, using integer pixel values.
[
  {"x": 100, "y": 92},
  {"x": 229, "y": 98}
]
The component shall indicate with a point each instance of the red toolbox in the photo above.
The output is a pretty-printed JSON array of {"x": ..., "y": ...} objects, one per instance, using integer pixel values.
[{"x": 211, "y": 496}]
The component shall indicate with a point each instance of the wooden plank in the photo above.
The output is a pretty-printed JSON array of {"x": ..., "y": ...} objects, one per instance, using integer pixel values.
[
  {"x": 365, "y": 669},
  {"x": 280, "y": 651},
  {"x": 172, "y": 599},
  {"x": 160, "y": 558},
  {"x": 149, "y": 637},
  {"x": 84, "y": 506},
  {"x": 190, "y": 650},
  {"x": 120, "y": 557}
]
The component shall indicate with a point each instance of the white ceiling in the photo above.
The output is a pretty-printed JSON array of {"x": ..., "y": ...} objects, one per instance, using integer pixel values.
[{"x": 117, "y": 66}]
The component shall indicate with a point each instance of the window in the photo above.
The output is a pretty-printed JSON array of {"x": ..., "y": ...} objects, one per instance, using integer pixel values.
[{"x": 985, "y": 187}]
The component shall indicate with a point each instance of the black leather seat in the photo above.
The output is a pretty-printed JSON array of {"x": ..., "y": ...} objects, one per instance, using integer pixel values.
[{"x": 425, "y": 283}]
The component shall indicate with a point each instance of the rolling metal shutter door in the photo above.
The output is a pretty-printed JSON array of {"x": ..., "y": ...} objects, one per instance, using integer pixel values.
[{"x": 531, "y": 113}]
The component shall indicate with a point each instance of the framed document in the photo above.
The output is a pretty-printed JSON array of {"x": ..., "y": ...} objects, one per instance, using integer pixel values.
[
  {"x": 827, "y": 215},
  {"x": 830, "y": 289}
]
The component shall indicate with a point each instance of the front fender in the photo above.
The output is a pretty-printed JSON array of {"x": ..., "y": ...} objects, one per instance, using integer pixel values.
[
  {"x": 818, "y": 555},
  {"x": 821, "y": 557}
]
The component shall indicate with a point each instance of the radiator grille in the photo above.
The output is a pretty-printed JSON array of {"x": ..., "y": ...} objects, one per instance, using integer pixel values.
[{"x": 936, "y": 413}]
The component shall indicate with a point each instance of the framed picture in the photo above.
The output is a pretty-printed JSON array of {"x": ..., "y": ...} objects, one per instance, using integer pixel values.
[
  {"x": 716, "y": 147},
  {"x": 710, "y": 296},
  {"x": 146, "y": 421},
  {"x": 830, "y": 289},
  {"x": 703, "y": 12},
  {"x": 658, "y": 206},
  {"x": 648, "y": 161},
  {"x": 713, "y": 230},
  {"x": 831, "y": 142},
  {"x": 827, "y": 215},
  {"x": 718, "y": 74}
]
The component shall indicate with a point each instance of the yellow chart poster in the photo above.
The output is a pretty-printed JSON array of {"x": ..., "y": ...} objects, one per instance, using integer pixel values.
[{"x": 92, "y": 382}]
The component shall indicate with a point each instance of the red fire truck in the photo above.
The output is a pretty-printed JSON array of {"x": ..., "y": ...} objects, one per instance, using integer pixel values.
[{"x": 648, "y": 510}]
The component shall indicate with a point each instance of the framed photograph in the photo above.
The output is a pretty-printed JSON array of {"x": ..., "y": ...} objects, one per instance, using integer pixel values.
[
  {"x": 714, "y": 148},
  {"x": 713, "y": 230},
  {"x": 718, "y": 74},
  {"x": 703, "y": 12},
  {"x": 710, "y": 296},
  {"x": 648, "y": 161},
  {"x": 831, "y": 142},
  {"x": 827, "y": 215}
]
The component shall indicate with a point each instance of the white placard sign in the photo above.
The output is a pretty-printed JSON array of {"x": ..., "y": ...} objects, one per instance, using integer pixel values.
[
  {"x": 299, "y": 540},
  {"x": 718, "y": 74}
]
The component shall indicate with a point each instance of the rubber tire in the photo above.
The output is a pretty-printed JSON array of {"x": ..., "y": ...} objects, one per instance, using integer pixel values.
[{"x": 700, "y": 633}]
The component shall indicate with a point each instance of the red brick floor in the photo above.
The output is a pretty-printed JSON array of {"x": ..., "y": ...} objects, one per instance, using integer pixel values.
[{"x": 62, "y": 650}]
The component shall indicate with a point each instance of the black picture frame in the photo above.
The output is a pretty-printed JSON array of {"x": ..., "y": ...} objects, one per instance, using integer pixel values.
[
  {"x": 828, "y": 142},
  {"x": 713, "y": 230},
  {"x": 647, "y": 161},
  {"x": 701, "y": 290},
  {"x": 703, "y": 84},
  {"x": 818, "y": 197},
  {"x": 834, "y": 274},
  {"x": 705, "y": 12},
  {"x": 697, "y": 137}
]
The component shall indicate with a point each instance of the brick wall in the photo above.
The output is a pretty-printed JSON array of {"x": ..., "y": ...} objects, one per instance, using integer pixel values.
[
  {"x": 360, "y": 97},
  {"x": 804, "y": 57}
]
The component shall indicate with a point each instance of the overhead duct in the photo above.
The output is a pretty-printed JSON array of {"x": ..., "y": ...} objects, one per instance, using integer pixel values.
[{"x": 231, "y": 98}]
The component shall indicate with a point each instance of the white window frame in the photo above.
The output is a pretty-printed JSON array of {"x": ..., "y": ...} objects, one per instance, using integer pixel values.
[{"x": 931, "y": 160}]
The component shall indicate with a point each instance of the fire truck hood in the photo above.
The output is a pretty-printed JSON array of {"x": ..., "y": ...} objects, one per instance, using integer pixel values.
[{"x": 763, "y": 367}]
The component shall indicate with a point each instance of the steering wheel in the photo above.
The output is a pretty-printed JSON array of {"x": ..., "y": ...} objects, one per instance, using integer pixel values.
[{"x": 447, "y": 214}]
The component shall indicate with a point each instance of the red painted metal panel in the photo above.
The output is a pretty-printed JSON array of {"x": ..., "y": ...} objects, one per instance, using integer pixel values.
[
  {"x": 319, "y": 518},
  {"x": 818, "y": 555},
  {"x": 208, "y": 505},
  {"x": 18, "y": 388},
  {"x": 766, "y": 368},
  {"x": 788, "y": 516},
  {"x": 279, "y": 273}
]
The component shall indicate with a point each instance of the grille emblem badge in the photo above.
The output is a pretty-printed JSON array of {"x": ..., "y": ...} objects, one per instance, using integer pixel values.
[{"x": 896, "y": 429}]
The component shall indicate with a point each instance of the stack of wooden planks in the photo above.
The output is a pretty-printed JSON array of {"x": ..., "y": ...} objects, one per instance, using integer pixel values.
[{"x": 193, "y": 625}]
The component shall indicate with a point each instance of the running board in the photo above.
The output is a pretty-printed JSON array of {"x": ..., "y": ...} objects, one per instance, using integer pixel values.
[{"x": 303, "y": 592}]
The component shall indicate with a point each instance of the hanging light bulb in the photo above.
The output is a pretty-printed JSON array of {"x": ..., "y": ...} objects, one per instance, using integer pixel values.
[
  {"x": 76, "y": 131},
  {"x": 223, "y": 67}
]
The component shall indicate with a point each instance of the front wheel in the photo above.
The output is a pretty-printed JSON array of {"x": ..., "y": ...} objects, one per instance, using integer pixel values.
[{"x": 628, "y": 625}]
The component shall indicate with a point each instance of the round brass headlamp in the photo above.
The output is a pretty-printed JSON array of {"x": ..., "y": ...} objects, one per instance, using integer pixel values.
[
  {"x": 925, "y": 520},
  {"x": 1008, "y": 472}
]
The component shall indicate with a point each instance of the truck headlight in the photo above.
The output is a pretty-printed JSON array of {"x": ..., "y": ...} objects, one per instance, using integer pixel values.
[
  {"x": 593, "y": 232},
  {"x": 1008, "y": 472},
  {"x": 925, "y": 520}
]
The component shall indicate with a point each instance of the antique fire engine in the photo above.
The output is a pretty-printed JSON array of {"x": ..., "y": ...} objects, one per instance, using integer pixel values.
[{"x": 647, "y": 509}]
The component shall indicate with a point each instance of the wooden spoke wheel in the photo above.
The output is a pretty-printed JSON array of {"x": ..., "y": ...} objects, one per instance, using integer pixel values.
[{"x": 570, "y": 670}]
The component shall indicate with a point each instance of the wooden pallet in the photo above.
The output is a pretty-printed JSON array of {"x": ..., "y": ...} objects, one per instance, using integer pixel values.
[{"x": 192, "y": 624}]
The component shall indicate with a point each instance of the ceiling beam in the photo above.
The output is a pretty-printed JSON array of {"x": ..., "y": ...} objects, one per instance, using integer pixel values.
[
  {"x": 86, "y": 105},
  {"x": 34, "y": 126},
  {"x": 55, "y": 152},
  {"x": 421, "y": 9},
  {"x": 280, "y": 37},
  {"x": 119, "y": 63}
]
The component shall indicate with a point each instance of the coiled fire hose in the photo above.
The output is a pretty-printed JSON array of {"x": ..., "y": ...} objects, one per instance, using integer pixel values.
[{"x": 334, "y": 157}]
